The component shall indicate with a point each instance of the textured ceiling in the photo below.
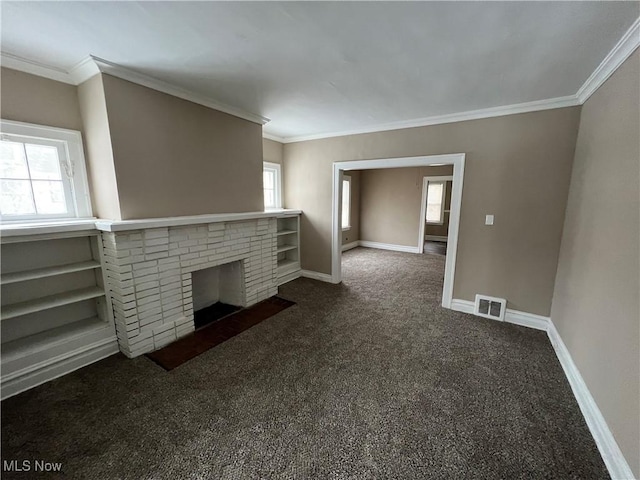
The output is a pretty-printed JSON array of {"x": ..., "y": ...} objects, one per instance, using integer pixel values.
[{"x": 328, "y": 67}]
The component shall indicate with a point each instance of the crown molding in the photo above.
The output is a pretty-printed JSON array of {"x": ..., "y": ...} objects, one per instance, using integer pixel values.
[
  {"x": 93, "y": 65},
  {"x": 34, "y": 68},
  {"x": 538, "y": 105},
  {"x": 275, "y": 138},
  {"x": 616, "y": 57}
]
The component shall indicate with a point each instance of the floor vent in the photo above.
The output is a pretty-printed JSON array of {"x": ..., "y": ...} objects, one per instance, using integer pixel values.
[{"x": 490, "y": 307}]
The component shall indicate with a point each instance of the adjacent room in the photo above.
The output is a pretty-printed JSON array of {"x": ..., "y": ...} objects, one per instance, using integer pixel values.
[{"x": 320, "y": 240}]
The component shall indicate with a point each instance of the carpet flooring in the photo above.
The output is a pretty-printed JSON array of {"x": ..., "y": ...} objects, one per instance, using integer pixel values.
[
  {"x": 189, "y": 347},
  {"x": 367, "y": 379}
]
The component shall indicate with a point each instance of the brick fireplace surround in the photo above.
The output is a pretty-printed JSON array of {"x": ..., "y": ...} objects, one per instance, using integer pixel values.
[{"x": 148, "y": 269}]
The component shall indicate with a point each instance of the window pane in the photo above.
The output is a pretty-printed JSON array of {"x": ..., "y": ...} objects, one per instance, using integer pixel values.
[
  {"x": 43, "y": 162},
  {"x": 269, "y": 199},
  {"x": 12, "y": 161},
  {"x": 434, "y": 202},
  {"x": 15, "y": 198},
  {"x": 346, "y": 203},
  {"x": 268, "y": 179},
  {"x": 49, "y": 197}
]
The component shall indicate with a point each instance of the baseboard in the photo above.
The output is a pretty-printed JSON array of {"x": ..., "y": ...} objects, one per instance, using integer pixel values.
[
  {"x": 516, "y": 317},
  {"x": 349, "y": 246},
  {"x": 388, "y": 246},
  {"x": 18, "y": 382},
  {"x": 323, "y": 277},
  {"x": 609, "y": 450},
  {"x": 607, "y": 446},
  {"x": 289, "y": 276},
  {"x": 436, "y": 238},
  {"x": 464, "y": 306},
  {"x": 525, "y": 319}
]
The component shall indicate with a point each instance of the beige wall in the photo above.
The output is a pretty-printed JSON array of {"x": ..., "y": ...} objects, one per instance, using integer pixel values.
[
  {"x": 595, "y": 304},
  {"x": 390, "y": 203},
  {"x": 441, "y": 230},
  {"x": 174, "y": 157},
  {"x": 31, "y": 99},
  {"x": 272, "y": 151},
  {"x": 97, "y": 141},
  {"x": 517, "y": 168},
  {"x": 353, "y": 233}
]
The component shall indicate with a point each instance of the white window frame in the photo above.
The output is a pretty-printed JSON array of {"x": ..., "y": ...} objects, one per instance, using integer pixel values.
[
  {"x": 442, "y": 200},
  {"x": 72, "y": 166},
  {"x": 277, "y": 168},
  {"x": 347, "y": 178}
]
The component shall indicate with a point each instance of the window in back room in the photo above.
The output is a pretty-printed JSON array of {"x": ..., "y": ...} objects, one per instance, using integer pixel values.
[{"x": 272, "y": 185}]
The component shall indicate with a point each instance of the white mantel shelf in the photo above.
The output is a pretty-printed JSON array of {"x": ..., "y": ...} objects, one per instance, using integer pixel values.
[
  {"x": 124, "y": 225},
  {"x": 9, "y": 230}
]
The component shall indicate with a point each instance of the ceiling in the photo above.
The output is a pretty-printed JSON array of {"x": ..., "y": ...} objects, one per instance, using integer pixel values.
[{"x": 315, "y": 68}]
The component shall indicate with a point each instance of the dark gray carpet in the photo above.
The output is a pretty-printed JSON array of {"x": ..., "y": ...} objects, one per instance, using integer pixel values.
[{"x": 368, "y": 379}]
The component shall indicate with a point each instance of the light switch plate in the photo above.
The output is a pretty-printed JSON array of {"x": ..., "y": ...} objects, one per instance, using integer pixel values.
[{"x": 488, "y": 220}]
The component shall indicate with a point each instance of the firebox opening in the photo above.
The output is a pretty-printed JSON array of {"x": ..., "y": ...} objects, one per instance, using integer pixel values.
[{"x": 217, "y": 292}]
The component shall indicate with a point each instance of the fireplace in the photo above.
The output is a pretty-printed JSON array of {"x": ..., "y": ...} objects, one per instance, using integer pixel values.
[{"x": 156, "y": 275}]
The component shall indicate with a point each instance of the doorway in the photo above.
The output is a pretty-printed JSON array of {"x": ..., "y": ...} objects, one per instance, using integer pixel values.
[
  {"x": 456, "y": 160},
  {"x": 435, "y": 214}
]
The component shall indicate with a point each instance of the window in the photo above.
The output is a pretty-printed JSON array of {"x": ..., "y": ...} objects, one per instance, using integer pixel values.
[
  {"x": 346, "y": 203},
  {"x": 42, "y": 173},
  {"x": 435, "y": 202},
  {"x": 272, "y": 184}
]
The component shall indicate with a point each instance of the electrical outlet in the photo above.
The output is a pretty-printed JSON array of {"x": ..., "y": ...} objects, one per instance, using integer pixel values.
[{"x": 488, "y": 220}]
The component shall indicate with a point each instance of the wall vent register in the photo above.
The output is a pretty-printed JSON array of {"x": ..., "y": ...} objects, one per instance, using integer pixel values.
[{"x": 490, "y": 307}]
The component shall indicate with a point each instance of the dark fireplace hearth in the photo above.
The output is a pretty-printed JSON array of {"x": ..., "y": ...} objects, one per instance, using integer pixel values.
[{"x": 212, "y": 313}]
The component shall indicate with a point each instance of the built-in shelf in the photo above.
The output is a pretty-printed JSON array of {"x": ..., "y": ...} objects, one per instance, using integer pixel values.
[
  {"x": 286, "y": 248},
  {"x": 48, "y": 272},
  {"x": 287, "y": 263},
  {"x": 52, "y": 301},
  {"x": 51, "y": 337},
  {"x": 286, "y": 232}
]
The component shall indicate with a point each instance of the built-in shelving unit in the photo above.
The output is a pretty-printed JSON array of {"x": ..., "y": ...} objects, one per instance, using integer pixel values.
[
  {"x": 47, "y": 272},
  {"x": 288, "y": 235},
  {"x": 55, "y": 314}
]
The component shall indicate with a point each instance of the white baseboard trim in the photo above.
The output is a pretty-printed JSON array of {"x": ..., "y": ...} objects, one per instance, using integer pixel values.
[
  {"x": 18, "y": 382},
  {"x": 323, "y": 277},
  {"x": 609, "y": 450},
  {"x": 349, "y": 246},
  {"x": 607, "y": 446},
  {"x": 464, "y": 306},
  {"x": 289, "y": 276},
  {"x": 436, "y": 238},
  {"x": 531, "y": 320},
  {"x": 388, "y": 246},
  {"x": 516, "y": 317}
]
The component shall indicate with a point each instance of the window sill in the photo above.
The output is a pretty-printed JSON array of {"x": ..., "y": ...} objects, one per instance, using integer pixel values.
[
  {"x": 346, "y": 229},
  {"x": 38, "y": 228}
]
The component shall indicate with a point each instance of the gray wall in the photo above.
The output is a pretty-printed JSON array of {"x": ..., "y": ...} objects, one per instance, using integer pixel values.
[
  {"x": 390, "y": 203},
  {"x": 97, "y": 141},
  {"x": 518, "y": 168},
  {"x": 173, "y": 157},
  {"x": 31, "y": 99},
  {"x": 595, "y": 303},
  {"x": 272, "y": 151}
]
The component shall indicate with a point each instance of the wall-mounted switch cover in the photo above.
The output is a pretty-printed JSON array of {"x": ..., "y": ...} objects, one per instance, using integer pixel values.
[{"x": 488, "y": 220}]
